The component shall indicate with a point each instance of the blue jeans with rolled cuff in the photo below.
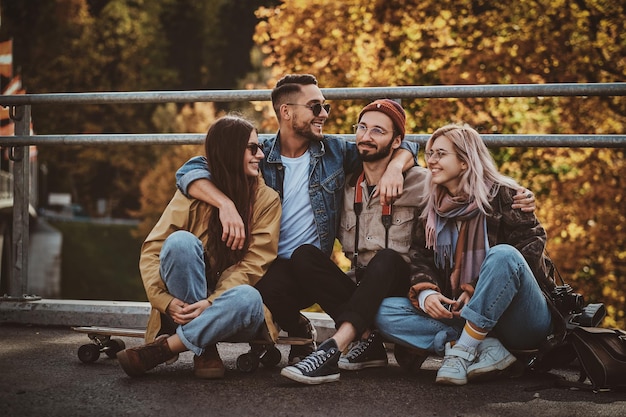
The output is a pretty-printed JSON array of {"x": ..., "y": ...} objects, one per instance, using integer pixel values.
[
  {"x": 235, "y": 316},
  {"x": 507, "y": 301}
]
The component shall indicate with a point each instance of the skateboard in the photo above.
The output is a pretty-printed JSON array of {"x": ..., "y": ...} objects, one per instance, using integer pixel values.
[
  {"x": 103, "y": 341},
  {"x": 262, "y": 351},
  {"x": 265, "y": 352}
]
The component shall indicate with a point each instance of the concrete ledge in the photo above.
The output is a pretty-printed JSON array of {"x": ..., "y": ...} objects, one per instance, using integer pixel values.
[
  {"x": 131, "y": 314},
  {"x": 52, "y": 312},
  {"x": 324, "y": 325}
]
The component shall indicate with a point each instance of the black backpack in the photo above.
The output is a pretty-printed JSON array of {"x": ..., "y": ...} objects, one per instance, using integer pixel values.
[{"x": 600, "y": 352}]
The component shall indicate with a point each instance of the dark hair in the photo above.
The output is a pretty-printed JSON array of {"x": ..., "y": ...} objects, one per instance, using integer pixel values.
[
  {"x": 224, "y": 147},
  {"x": 287, "y": 86}
]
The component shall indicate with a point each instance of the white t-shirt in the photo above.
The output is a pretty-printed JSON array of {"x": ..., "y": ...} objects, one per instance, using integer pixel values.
[{"x": 297, "y": 224}]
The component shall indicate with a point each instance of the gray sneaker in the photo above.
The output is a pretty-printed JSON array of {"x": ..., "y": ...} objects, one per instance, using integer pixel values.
[
  {"x": 491, "y": 359},
  {"x": 453, "y": 369},
  {"x": 366, "y": 353},
  {"x": 317, "y": 368}
]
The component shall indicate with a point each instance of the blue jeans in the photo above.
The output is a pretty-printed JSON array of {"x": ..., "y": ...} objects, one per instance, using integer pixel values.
[
  {"x": 507, "y": 300},
  {"x": 235, "y": 316}
]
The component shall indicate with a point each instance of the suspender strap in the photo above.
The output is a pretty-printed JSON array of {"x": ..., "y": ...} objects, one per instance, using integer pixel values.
[
  {"x": 386, "y": 220},
  {"x": 358, "y": 208}
]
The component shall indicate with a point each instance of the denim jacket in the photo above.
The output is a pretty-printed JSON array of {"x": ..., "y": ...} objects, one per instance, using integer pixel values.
[{"x": 331, "y": 159}]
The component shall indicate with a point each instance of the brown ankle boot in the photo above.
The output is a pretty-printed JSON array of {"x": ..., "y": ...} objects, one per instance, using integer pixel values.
[
  {"x": 136, "y": 361},
  {"x": 209, "y": 365}
]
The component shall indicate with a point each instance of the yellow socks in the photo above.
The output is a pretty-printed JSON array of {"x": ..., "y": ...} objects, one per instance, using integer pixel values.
[{"x": 471, "y": 337}]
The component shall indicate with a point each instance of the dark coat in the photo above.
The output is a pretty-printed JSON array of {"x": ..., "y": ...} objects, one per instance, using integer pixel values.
[{"x": 505, "y": 225}]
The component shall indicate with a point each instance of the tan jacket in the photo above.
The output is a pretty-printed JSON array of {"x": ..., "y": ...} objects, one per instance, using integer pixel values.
[
  {"x": 405, "y": 215},
  {"x": 190, "y": 214}
]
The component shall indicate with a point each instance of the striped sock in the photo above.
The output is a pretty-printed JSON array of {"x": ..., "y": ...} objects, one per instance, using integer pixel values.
[{"x": 471, "y": 337}]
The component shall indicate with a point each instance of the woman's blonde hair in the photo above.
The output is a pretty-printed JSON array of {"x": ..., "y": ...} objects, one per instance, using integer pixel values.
[{"x": 481, "y": 180}]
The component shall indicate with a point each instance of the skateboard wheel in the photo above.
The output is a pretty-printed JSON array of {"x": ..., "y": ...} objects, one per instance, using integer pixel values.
[
  {"x": 409, "y": 359},
  {"x": 88, "y": 353},
  {"x": 271, "y": 357},
  {"x": 113, "y": 346},
  {"x": 247, "y": 362}
]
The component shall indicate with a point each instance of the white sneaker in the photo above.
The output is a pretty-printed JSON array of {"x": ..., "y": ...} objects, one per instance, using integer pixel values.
[
  {"x": 455, "y": 363},
  {"x": 491, "y": 358}
]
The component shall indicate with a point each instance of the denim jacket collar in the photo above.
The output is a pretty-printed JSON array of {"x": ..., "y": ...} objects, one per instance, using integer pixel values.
[{"x": 316, "y": 149}]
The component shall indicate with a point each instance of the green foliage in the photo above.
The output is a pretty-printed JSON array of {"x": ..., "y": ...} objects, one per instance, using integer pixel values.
[{"x": 100, "y": 262}]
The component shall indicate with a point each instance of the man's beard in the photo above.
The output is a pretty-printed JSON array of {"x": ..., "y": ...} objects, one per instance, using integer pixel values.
[
  {"x": 377, "y": 156},
  {"x": 305, "y": 131}
]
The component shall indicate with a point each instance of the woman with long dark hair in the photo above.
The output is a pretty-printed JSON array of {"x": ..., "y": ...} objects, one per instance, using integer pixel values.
[
  {"x": 482, "y": 268},
  {"x": 201, "y": 291}
]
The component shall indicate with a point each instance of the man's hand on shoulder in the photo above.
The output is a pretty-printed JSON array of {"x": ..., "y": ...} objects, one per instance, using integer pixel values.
[
  {"x": 524, "y": 200},
  {"x": 391, "y": 184}
]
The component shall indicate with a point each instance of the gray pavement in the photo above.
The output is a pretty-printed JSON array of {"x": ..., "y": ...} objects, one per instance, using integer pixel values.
[{"x": 40, "y": 375}]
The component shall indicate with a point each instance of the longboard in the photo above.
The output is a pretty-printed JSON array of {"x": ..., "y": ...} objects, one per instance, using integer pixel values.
[
  {"x": 102, "y": 341},
  {"x": 262, "y": 351}
]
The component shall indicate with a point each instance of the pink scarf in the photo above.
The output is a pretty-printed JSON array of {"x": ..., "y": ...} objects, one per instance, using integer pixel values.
[{"x": 469, "y": 243}]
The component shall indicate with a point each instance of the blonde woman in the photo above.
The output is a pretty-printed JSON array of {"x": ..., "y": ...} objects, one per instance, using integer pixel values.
[{"x": 482, "y": 264}]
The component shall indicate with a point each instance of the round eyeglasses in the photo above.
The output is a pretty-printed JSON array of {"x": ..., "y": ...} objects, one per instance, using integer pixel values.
[
  {"x": 375, "y": 132},
  {"x": 435, "y": 156}
]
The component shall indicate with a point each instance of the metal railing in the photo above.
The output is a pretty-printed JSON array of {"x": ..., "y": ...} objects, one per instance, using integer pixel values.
[{"x": 20, "y": 111}]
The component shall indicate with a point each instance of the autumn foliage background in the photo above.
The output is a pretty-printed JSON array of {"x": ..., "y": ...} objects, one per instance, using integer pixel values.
[{"x": 124, "y": 45}]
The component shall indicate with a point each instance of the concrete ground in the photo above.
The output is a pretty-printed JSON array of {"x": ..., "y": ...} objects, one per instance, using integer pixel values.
[{"x": 41, "y": 375}]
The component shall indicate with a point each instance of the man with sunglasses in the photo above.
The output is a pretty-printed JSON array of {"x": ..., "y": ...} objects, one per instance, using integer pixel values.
[{"x": 308, "y": 170}]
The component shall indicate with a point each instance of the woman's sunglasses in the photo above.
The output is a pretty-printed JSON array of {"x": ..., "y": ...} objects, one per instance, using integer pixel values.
[{"x": 254, "y": 147}]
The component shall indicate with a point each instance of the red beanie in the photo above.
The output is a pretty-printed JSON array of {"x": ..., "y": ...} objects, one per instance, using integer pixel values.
[{"x": 391, "y": 109}]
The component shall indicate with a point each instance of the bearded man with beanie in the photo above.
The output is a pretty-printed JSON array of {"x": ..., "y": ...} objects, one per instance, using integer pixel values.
[{"x": 377, "y": 238}]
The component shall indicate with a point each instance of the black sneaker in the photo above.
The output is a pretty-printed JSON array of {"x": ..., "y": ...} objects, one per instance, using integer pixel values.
[
  {"x": 317, "y": 368},
  {"x": 367, "y": 353},
  {"x": 306, "y": 331}
]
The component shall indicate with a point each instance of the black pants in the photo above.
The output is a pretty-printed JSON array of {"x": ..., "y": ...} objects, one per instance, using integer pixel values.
[
  {"x": 311, "y": 277},
  {"x": 283, "y": 296}
]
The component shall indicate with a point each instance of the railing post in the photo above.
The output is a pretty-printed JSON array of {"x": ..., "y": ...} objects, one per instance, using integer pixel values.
[{"x": 20, "y": 156}]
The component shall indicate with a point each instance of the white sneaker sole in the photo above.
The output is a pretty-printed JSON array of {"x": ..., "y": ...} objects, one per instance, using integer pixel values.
[
  {"x": 310, "y": 380},
  {"x": 446, "y": 380},
  {"x": 494, "y": 369},
  {"x": 348, "y": 366}
]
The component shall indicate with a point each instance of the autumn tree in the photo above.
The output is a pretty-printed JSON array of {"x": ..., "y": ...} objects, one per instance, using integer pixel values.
[
  {"x": 120, "y": 45},
  {"x": 446, "y": 42},
  {"x": 158, "y": 185}
]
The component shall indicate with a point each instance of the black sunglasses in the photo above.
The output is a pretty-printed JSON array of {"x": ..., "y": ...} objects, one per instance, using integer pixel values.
[
  {"x": 315, "y": 108},
  {"x": 254, "y": 147}
]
